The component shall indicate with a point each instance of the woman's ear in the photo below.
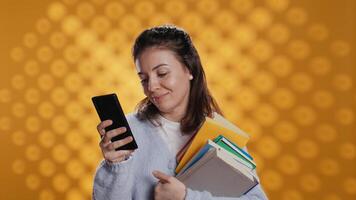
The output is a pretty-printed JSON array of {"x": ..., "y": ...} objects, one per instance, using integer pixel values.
[{"x": 190, "y": 77}]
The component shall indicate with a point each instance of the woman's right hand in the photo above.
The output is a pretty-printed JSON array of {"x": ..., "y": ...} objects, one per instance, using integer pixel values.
[{"x": 108, "y": 148}]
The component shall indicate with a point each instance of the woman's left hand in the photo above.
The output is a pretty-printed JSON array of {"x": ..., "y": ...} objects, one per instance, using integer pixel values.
[{"x": 168, "y": 187}]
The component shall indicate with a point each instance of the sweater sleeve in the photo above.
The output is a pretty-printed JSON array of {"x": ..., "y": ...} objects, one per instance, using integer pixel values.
[{"x": 113, "y": 181}]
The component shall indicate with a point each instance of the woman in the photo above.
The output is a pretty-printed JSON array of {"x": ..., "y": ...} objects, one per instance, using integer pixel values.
[{"x": 176, "y": 104}]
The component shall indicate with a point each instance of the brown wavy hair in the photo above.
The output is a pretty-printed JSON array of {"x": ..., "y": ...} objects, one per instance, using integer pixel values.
[{"x": 200, "y": 103}]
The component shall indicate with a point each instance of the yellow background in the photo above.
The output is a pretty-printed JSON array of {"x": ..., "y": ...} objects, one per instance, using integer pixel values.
[{"x": 282, "y": 70}]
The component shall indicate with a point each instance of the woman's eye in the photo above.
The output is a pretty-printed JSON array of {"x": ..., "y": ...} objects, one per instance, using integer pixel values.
[
  {"x": 162, "y": 74},
  {"x": 143, "y": 81}
]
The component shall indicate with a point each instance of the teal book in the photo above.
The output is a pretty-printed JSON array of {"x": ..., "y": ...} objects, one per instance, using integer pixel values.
[{"x": 242, "y": 155}]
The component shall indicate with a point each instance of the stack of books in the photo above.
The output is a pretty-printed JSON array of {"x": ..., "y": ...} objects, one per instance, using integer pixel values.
[{"x": 214, "y": 160}]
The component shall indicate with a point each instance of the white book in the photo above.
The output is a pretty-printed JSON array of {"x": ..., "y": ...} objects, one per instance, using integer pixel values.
[{"x": 218, "y": 173}]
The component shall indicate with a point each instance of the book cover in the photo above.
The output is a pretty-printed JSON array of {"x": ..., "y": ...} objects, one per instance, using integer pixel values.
[{"x": 210, "y": 130}]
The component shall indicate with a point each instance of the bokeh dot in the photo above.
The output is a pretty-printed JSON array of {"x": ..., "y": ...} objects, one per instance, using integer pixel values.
[
  {"x": 75, "y": 194},
  {"x": 33, "y": 152},
  {"x": 17, "y": 54},
  {"x": 342, "y": 82},
  {"x": 33, "y": 124},
  {"x": 5, "y": 123},
  {"x": 301, "y": 82},
  {"x": 46, "y": 138},
  {"x": 299, "y": 49},
  {"x": 18, "y": 138},
  {"x": 46, "y": 110},
  {"x": 100, "y": 25},
  {"x": 143, "y": 9},
  {"x": 320, "y": 65},
  {"x": 304, "y": 115},
  {"x": 307, "y": 149},
  {"x": 247, "y": 98},
  {"x": 45, "y": 54},
  {"x": 279, "y": 30},
  {"x": 280, "y": 65},
  {"x": 274, "y": 179},
  {"x": 286, "y": 131},
  {"x": 345, "y": 116},
  {"x": 331, "y": 196},
  {"x": 85, "y": 10},
  {"x": 59, "y": 96},
  {"x": 263, "y": 81},
  {"x": 266, "y": 114},
  {"x": 58, "y": 40},
  {"x": 5, "y": 95},
  {"x": 246, "y": 67},
  {"x": 261, "y": 50},
  {"x": 32, "y": 95},
  {"x": 296, "y": 16},
  {"x": 60, "y": 124},
  {"x": 242, "y": 6},
  {"x": 19, "y": 109},
  {"x": 347, "y": 151},
  {"x": 59, "y": 68},
  {"x": 318, "y": 32},
  {"x": 325, "y": 132},
  {"x": 329, "y": 167},
  {"x": 61, "y": 153},
  {"x": 260, "y": 18},
  {"x": 45, "y": 82},
  {"x": 244, "y": 35},
  {"x": 32, "y": 68},
  {"x": 56, "y": 11},
  {"x": 43, "y": 26},
  {"x": 350, "y": 185},
  {"x": 18, "y": 166},
  {"x": 30, "y": 40},
  {"x": 73, "y": 82},
  {"x": 277, "y": 5},
  {"x": 291, "y": 194},
  {"x": 61, "y": 182},
  {"x": 71, "y": 24},
  {"x": 268, "y": 147},
  {"x": 47, "y": 168},
  {"x": 46, "y": 194},
  {"x": 33, "y": 182},
  {"x": 72, "y": 54},
  {"x": 340, "y": 48},
  {"x": 75, "y": 169},
  {"x": 114, "y": 10},
  {"x": 323, "y": 99},
  {"x": 289, "y": 164},
  {"x": 283, "y": 98},
  {"x": 74, "y": 111},
  {"x": 310, "y": 182}
]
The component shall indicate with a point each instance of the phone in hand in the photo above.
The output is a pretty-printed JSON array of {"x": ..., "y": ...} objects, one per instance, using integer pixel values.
[{"x": 108, "y": 107}]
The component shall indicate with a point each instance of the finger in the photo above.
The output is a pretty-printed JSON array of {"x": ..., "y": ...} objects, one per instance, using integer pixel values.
[
  {"x": 101, "y": 126},
  {"x": 115, "y": 156},
  {"x": 162, "y": 177},
  {"x": 115, "y": 132},
  {"x": 119, "y": 143}
]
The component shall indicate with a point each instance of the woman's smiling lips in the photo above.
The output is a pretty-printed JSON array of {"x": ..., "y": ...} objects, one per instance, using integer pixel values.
[{"x": 158, "y": 97}]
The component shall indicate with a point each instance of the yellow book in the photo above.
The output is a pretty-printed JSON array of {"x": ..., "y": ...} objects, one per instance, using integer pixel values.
[{"x": 211, "y": 129}]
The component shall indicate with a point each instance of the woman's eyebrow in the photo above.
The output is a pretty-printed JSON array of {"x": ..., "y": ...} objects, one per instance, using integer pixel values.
[{"x": 157, "y": 66}]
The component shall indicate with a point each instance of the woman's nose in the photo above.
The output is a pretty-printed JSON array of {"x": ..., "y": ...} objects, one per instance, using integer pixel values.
[{"x": 153, "y": 84}]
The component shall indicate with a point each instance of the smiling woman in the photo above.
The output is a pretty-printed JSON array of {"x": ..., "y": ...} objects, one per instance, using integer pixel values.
[{"x": 176, "y": 104}]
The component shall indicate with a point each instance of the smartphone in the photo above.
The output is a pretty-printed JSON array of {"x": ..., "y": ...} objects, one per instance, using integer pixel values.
[{"x": 108, "y": 107}]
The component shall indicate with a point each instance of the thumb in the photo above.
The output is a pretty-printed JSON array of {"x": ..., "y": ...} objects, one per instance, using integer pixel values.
[{"x": 163, "y": 178}]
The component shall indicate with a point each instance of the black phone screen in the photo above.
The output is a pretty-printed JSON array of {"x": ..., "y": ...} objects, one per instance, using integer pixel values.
[{"x": 108, "y": 107}]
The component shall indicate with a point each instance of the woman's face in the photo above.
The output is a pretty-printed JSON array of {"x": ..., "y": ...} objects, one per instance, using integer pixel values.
[{"x": 165, "y": 81}]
